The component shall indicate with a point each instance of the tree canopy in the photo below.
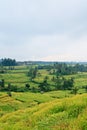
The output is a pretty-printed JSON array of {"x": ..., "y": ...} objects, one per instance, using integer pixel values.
[{"x": 8, "y": 62}]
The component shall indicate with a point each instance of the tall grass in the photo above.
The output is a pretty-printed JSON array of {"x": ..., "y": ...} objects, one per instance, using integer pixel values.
[{"x": 59, "y": 114}]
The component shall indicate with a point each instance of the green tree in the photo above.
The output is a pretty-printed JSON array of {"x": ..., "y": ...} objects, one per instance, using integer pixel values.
[
  {"x": 85, "y": 88},
  {"x": 8, "y": 62},
  {"x": 68, "y": 83},
  {"x": 2, "y": 84},
  {"x": 75, "y": 90},
  {"x": 9, "y": 90},
  {"x": 44, "y": 86},
  {"x": 32, "y": 73},
  {"x": 58, "y": 83},
  {"x": 27, "y": 86}
]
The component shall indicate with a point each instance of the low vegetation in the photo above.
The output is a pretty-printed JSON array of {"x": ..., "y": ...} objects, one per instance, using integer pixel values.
[
  {"x": 57, "y": 114},
  {"x": 43, "y": 96}
]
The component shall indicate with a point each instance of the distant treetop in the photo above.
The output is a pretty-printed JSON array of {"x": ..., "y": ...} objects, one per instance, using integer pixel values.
[{"x": 8, "y": 62}]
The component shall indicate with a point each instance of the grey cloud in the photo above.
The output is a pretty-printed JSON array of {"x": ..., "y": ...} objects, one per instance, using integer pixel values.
[
  {"x": 41, "y": 16},
  {"x": 41, "y": 27}
]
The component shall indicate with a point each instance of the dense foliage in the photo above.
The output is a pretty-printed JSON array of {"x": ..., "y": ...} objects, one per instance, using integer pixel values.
[
  {"x": 8, "y": 62},
  {"x": 66, "y": 69}
]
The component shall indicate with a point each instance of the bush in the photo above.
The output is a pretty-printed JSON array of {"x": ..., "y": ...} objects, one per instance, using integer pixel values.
[
  {"x": 9, "y": 93},
  {"x": 27, "y": 86}
]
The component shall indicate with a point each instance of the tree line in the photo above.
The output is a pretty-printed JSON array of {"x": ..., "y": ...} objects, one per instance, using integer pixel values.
[
  {"x": 64, "y": 68},
  {"x": 8, "y": 62}
]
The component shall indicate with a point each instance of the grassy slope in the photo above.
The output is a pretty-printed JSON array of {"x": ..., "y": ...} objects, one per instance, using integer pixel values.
[
  {"x": 29, "y": 111},
  {"x": 59, "y": 114},
  {"x": 27, "y": 99}
]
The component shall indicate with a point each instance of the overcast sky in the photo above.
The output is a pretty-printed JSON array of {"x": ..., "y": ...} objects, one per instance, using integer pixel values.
[{"x": 49, "y": 30}]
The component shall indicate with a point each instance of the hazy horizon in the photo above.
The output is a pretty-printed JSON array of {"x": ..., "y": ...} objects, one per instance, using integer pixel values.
[{"x": 49, "y": 30}]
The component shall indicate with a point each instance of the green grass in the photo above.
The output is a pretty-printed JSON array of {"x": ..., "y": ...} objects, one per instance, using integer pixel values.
[
  {"x": 59, "y": 114},
  {"x": 54, "y": 110},
  {"x": 19, "y": 77},
  {"x": 80, "y": 79},
  {"x": 22, "y": 100}
]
